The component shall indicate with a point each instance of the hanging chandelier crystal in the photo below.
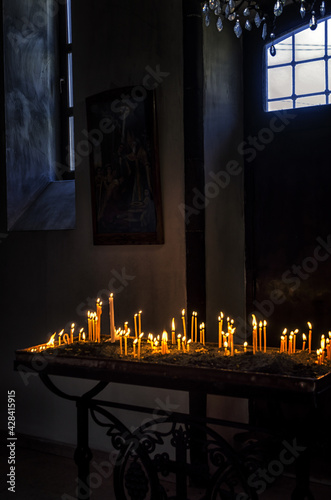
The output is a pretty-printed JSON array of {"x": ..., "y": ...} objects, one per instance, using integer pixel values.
[{"x": 253, "y": 14}]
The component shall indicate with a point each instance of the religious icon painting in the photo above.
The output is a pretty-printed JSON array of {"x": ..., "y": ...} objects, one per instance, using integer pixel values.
[{"x": 124, "y": 166}]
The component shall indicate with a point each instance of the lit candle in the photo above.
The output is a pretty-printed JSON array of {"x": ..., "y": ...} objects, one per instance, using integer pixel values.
[
  {"x": 60, "y": 335},
  {"x": 196, "y": 326},
  {"x": 183, "y": 344},
  {"x": 192, "y": 326},
  {"x": 309, "y": 336},
  {"x": 89, "y": 326},
  {"x": 295, "y": 339},
  {"x": 95, "y": 326},
  {"x": 173, "y": 331},
  {"x": 245, "y": 346},
  {"x": 83, "y": 336},
  {"x": 203, "y": 334},
  {"x": 112, "y": 318},
  {"x": 126, "y": 327},
  {"x": 231, "y": 341},
  {"x": 184, "y": 322},
  {"x": 164, "y": 342},
  {"x": 323, "y": 342},
  {"x": 228, "y": 322},
  {"x": 254, "y": 339},
  {"x": 304, "y": 338},
  {"x": 139, "y": 323},
  {"x": 260, "y": 335},
  {"x": 80, "y": 334},
  {"x": 121, "y": 346},
  {"x": 66, "y": 338},
  {"x": 219, "y": 332},
  {"x": 126, "y": 343},
  {"x": 135, "y": 326},
  {"x": 290, "y": 343},
  {"x": 139, "y": 345},
  {"x": 72, "y": 332},
  {"x": 134, "y": 347},
  {"x": 99, "y": 312},
  {"x": 188, "y": 345},
  {"x": 281, "y": 344},
  {"x": 178, "y": 341},
  {"x": 285, "y": 339},
  {"x": 265, "y": 335},
  {"x": 226, "y": 348}
]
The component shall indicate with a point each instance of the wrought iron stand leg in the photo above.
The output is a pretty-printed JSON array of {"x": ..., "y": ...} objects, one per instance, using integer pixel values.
[
  {"x": 83, "y": 453},
  {"x": 198, "y": 454},
  {"x": 302, "y": 469}
]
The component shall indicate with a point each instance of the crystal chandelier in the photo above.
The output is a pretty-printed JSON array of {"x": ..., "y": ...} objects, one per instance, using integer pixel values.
[{"x": 249, "y": 14}]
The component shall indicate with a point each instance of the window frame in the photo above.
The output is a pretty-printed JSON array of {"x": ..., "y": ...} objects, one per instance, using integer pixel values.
[{"x": 293, "y": 97}]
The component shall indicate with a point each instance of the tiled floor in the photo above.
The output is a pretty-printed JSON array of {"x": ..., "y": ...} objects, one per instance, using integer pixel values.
[{"x": 44, "y": 476}]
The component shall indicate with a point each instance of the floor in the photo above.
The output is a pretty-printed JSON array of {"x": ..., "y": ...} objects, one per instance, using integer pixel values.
[{"x": 47, "y": 476}]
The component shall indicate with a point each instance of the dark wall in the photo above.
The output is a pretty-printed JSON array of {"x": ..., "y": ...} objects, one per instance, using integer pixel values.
[{"x": 288, "y": 191}]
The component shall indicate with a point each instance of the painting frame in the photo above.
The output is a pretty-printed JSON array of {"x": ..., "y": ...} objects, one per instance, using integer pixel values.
[{"x": 124, "y": 167}]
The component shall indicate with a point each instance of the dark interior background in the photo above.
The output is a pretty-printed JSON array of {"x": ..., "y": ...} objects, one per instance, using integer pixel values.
[{"x": 288, "y": 194}]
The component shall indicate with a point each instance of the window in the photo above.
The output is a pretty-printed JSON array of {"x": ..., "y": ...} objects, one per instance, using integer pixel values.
[
  {"x": 298, "y": 75},
  {"x": 37, "y": 110},
  {"x": 66, "y": 89}
]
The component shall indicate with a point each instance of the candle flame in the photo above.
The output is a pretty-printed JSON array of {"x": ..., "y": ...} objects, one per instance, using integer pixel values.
[
  {"x": 83, "y": 336},
  {"x": 260, "y": 324},
  {"x": 309, "y": 325},
  {"x": 173, "y": 324},
  {"x": 264, "y": 323},
  {"x": 165, "y": 336},
  {"x": 296, "y": 331},
  {"x": 245, "y": 344},
  {"x": 141, "y": 335},
  {"x": 254, "y": 322},
  {"x": 183, "y": 312},
  {"x": 51, "y": 340},
  {"x": 222, "y": 315},
  {"x": 285, "y": 331},
  {"x": 304, "y": 337},
  {"x": 111, "y": 295},
  {"x": 135, "y": 341}
]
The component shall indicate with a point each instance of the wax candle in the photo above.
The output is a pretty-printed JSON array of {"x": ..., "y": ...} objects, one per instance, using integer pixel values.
[
  {"x": 134, "y": 347},
  {"x": 260, "y": 335},
  {"x": 192, "y": 326},
  {"x": 304, "y": 338},
  {"x": 72, "y": 332},
  {"x": 219, "y": 333},
  {"x": 309, "y": 336},
  {"x": 83, "y": 336},
  {"x": 188, "y": 345},
  {"x": 196, "y": 326},
  {"x": 323, "y": 342},
  {"x": 173, "y": 331},
  {"x": 245, "y": 346},
  {"x": 139, "y": 323},
  {"x": 178, "y": 341},
  {"x": 139, "y": 345},
  {"x": 254, "y": 335},
  {"x": 121, "y": 340},
  {"x": 135, "y": 325},
  {"x": 60, "y": 335},
  {"x": 265, "y": 335},
  {"x": 126, "y": 343},
  {"x": 183, "y": 344},
  {"x": 112, "y": 318},
  {"x": 80, "y": 334}
]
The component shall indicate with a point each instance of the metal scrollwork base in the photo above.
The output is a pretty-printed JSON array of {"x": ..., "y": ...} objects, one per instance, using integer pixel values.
[{"x": 161, "y": 447}]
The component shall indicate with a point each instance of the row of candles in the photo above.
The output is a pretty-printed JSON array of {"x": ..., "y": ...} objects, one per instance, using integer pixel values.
[{"x": 226, "y": 332}]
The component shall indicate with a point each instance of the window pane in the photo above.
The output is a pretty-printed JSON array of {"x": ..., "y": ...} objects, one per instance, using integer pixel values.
[
  {"x": 329, "y": 37},
  {"x": 310, "y": 44},
  {"x": 70, "y": 83},
  {"x": 71, "y": 143},
  {"x": 282, "y": 104},
  {"x": 280, "y": 82},
  {"x": 69, "y": 29},
  {"x": 313, "y": 100},
  {"x": 283, "y": 53},
  {"x": 310, "y": 77}
]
